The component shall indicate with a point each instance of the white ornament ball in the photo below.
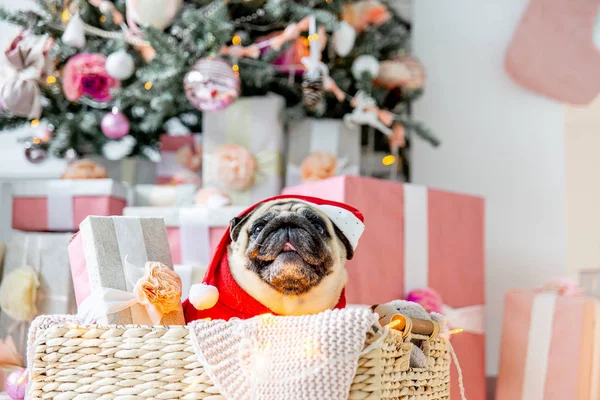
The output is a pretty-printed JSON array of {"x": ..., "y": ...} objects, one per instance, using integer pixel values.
[
  {"x": 120, "y": 65},
  {"x": 156, "y": 13},
  {"x": 343, "y": 39},
  {"x": 365, "y": 63},
  {"x": 203, "y": 297},
  {"x": 106, "y": 7}
]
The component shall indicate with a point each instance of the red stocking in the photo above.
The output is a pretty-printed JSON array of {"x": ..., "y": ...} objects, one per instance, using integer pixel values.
[{"x": 552, "y": 52}]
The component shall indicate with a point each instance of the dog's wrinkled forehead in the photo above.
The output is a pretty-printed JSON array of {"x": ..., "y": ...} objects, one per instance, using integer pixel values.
[{"x": 272, "y": 209}]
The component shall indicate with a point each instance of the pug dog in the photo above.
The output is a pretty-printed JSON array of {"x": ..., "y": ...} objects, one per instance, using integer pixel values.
[{"x": 290, "y": 256}]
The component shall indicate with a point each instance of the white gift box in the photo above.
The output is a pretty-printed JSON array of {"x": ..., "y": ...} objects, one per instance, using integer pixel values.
[
  {"x": 193, "y": 232},
  {"x": 255, "y": 124},
  {"x": 332, "y": 136},
  {"x": 164, "y": 195}
]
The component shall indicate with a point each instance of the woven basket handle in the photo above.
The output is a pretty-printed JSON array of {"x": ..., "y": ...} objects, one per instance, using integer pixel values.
[{"x": 409, "y": 325}]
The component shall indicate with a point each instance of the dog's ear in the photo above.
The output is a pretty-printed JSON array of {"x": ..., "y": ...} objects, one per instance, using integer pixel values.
[
  {"x": 345, "y": 242},
  {"x": 235, "y": 225}
]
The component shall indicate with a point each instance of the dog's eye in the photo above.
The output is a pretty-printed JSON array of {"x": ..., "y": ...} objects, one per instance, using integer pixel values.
[
  {"x": 256, "y": 230},
  {"x": 320, "y": 228}
]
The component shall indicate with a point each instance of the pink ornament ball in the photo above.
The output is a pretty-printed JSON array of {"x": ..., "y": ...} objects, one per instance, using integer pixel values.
[
  {"x": 428, "y": 298},
  {"x": 115, "y": 125},
  {"x": 16, "y": 384},
  {"x": 212, "y": 84}
]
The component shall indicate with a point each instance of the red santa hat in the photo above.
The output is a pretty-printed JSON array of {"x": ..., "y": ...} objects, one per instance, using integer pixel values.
[{"x": 220, "y": 297}]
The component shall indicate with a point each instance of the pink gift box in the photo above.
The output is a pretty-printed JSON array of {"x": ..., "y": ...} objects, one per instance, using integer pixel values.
[
  {"x": 193, "y": 232},
  {"x": 169, "y": 166},
  {"x": 549, "y": 348},
  {"x": 61, "y": 205},
  {"x": 417, "y": 237}
]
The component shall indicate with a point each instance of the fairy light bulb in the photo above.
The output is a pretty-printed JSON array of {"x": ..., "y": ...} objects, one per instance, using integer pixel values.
[
  {"x": 236, "y": 40},
  {"x": 51, "y": 79},
  {"x": 148, "y": 85},
  {"x": 66, "y": 17},
  {"x": 388, "y": 160}
]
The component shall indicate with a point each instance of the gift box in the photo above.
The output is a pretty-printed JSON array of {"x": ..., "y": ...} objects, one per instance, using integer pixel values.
[
  {"x": 321, "y": 148},
  {"x": 61, "y": 205},
  {"x": 193, "y": 232},
  {"x": 242, "y": 148},
  {"x": 171, "y": 163},
  {"x": 164, "y": 195},
  {"x": 38, "y": 263},
  {"x": 132, "y": 170},
  {"x": 417, "y": 238},
  {"x": 108, "y": 257},
  {"x": 550, "y": 347}
]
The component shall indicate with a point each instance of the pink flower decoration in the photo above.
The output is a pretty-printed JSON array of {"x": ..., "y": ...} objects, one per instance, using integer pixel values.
[
  {"x": 236, "y": 167},
  {"x": 85, "y": 74},
  {"x": 428, "y": 298},
  {"x": 318, "y": 165},
  {"x": 363, "y": 13},
  {"x": 563, "y": 287}
]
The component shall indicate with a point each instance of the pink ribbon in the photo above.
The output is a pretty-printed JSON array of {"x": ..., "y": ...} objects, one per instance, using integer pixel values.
[{"x": 20, "y": 91}]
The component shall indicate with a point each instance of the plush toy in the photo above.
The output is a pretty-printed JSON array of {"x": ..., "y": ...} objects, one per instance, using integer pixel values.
[
  {"x": 285, "y": 255},
  {"x": 413, "y": 310}
]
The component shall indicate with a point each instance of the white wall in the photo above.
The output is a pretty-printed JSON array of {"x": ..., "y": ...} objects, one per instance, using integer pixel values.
[{"x": 498, "y": 140}]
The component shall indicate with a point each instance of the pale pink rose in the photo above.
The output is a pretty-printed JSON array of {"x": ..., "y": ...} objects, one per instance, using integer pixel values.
[
  {"x": 406, "y": 72},
  {"x": 563, "y": 286},
  {"x": 318, "y": 165},
  {"x": 236, "y": 167},
  {"x": 363, "y": 13},
  {"x": 190, "y": 158},
  {"x": 159, "y": 290},
  {"x": 186, "y": 177},
  {"x": 85, "y": 74},
  {"x": 212, "y": 197},
  {"x": 85, "y": 169}
]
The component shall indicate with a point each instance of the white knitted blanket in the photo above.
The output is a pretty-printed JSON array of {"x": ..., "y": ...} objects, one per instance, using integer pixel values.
[{"x": 269, "y": 357}]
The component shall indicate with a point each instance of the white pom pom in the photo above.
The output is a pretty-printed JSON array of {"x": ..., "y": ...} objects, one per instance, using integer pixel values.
[
  {"x": 120, "y": 65},
  {"x": 343, "y": 39},
  {"x": 119, "y": 149},
  {"x": 203, "y": 296},
  {"x": 74, "y": 34},
  {"x": 365, "y": 63}
]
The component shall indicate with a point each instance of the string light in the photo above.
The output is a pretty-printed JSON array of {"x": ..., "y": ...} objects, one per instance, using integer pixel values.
[
  {"x": 313, "y": 37},
  {"x": 236, "y": 40},
  {"x": 51, "y": 79},
  {"x": 36, "y": 140},
  {"x": 103, "y": 18},
  {"x": 35, "y": 123},
  {"x": 235, "y": 67},
  {"x": 456, "y": 330},
  {"x": 388, "y": 160},
  {"x": 148, "y": 85},
  {"x": 65, "y": 16}
]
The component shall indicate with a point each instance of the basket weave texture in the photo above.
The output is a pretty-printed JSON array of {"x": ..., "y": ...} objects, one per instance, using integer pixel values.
[{"x": 69, "y": 361}]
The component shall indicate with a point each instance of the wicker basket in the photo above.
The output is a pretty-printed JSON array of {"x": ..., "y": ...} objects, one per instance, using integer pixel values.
[{"x": 69, "y": 361}]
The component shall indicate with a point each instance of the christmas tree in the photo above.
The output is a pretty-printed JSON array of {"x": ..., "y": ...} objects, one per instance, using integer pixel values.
[{"x": 110, "y": 77}]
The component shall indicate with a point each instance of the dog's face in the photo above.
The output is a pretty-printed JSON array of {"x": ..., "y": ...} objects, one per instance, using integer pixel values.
[{"x": 289, "y": 256}]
